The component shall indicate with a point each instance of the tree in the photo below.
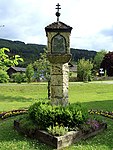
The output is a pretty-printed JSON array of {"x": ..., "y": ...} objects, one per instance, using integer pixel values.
[
  {"x": 84, "y": 69},
  {"x": 107, "y": 63},
  {"x": 42, "y": 67},
  {"x": 5, "y": 62},
  {"x": 29, "y": 73},
  {"x": 3, "y": 76},
  {"x": 98, "y": 60}
]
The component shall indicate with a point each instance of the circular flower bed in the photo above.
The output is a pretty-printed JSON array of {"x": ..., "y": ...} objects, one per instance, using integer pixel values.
[
  {"x": 102, "y": 113},
  {"x": 11, "y": 113}
]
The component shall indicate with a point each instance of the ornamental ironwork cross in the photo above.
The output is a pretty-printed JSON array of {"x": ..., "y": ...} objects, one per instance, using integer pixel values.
[
  {"x": 58, "y": 7},
  {"x": 57, "y": 13}
]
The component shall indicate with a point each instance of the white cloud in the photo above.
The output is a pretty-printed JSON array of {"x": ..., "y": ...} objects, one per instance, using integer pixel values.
[{"x": 91, "y": 21}]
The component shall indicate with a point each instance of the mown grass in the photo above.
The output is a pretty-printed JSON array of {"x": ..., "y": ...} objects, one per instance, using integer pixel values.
[
  {"x": 11, "y": 140},
  {"x": 14, "y": 96},
  {"x": 91, "y": 95}
]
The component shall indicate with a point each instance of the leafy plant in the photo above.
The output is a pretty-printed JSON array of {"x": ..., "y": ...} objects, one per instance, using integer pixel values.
[
  {"x": 42, "y": 67},
  {"x": 57, "y": 130},
  {"x": 26, "y": 123},
  {"x": 3, "y": 76},
  {"x": 18, "y": 77},
  {"x": 94, "y": 124},
  {"x": 29, "y": 73},
  {"x": 84, "y": 70},
  {"x": 6, "y": 61},
  {"x": 98, "y": 59},
  {"x": 45, "y": 115}
]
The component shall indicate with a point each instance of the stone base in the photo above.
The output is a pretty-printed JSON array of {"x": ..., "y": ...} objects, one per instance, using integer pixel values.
[
  {"x": 59, "y": 84},
  {"x": 58, "y": 142}
]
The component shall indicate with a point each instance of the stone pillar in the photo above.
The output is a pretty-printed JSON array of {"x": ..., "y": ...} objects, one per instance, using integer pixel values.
[
  {"x": 59, "y": 84},
  {"x": 58, "y": 46}
]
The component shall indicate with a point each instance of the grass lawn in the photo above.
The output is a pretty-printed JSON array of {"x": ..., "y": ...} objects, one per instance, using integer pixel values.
[
  {"x": 14, "y": 96},
  {"x": 91, "y": 95}
]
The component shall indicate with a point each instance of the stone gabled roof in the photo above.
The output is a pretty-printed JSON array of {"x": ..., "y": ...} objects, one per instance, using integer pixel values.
[{"x": 58, "y": 26}]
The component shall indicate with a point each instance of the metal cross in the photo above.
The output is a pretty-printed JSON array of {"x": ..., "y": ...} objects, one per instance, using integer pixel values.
[
  {"x": 58, "y": 7},
  {"x": 57, "y": 13}
]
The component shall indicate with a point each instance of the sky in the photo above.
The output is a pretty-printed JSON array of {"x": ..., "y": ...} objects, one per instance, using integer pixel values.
[{"x": 91, "y": 20}]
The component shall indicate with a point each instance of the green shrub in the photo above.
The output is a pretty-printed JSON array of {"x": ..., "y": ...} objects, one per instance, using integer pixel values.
[
  {"x": 26, "y": 123},
  {"x": 3, "y": 76},
  {"x": 19, "y": 77},
  {"x": 73, "y": 79},
  {"x": 29, "y": 73},
  {"x": 45, "y": 115},
  {"x": 84, "y": 70},
  {"x": 41, "y": 113}
]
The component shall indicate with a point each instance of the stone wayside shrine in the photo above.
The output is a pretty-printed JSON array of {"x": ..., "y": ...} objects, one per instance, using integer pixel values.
[
  {"x": 58, "y": 35},
  {"x": 58, "y": 43}
]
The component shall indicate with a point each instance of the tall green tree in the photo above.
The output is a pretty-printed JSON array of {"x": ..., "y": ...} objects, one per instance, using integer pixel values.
[
  {"x": 42, "y": 67},
  {"x": 3, "y": 76},
  {"x": 84, "y": 70},
  {"x": 5, "y": 62},
  {"x": 98, "y": 59},
  {"x": 29, "y": 73},
  {"x": 107, "y": 64}
]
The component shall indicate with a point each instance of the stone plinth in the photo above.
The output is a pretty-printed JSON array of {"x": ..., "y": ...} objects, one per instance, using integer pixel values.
[{"x": 59, "y": 84}]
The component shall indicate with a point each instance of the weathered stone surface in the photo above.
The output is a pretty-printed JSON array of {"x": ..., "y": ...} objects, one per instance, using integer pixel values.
[
  {"x": 59, "y": 84},
  {"x": 65, "y": 80},
  {"x": 65, "y": 91},
  {"x": 56, "y": 80},
  {"x": 58, "y": 45},
  {"x": 68, "y": 139},
  {"x": 59, "y": 58},
  {"x": 59, "y": 69},
  {"x": 57, "y": 91},
  {"x": 59, "y": 80},
  {"x": 59, "y": 95},
  {"x": 59, "y": 101},
  {"x": 50, "y": 36},
  {"x": 56, "y": 69}
]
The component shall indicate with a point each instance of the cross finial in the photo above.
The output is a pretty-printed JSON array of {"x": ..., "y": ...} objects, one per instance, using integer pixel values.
[
  {"x": 58, "y": 7},
  {"x": 57, "y": 13}
]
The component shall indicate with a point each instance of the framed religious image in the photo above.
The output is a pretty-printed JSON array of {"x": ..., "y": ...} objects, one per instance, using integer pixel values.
[{"x": 58, "y": 44}]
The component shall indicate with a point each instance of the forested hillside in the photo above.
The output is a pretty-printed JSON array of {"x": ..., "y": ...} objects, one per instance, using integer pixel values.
[{"x": 31, "y": 52}]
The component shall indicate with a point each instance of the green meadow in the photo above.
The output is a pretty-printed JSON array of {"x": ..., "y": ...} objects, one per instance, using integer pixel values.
[{"x": 92, "y": 95}]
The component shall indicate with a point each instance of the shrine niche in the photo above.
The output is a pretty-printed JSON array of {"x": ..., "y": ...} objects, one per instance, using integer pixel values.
[{"x": 58, "y": 44}]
